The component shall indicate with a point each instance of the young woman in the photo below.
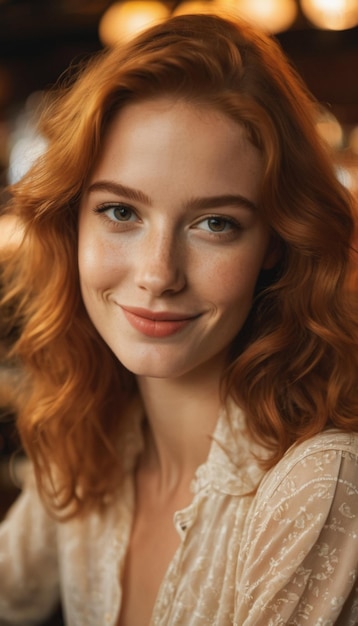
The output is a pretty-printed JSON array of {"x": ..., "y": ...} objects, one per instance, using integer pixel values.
[{"x": 188, "y": 344}]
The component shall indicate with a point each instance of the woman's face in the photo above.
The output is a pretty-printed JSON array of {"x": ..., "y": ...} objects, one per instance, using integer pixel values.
[{"x": 170, "y": 240}]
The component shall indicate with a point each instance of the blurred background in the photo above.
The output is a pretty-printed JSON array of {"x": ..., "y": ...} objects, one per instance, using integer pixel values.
[{"x": 39, "y": 39}]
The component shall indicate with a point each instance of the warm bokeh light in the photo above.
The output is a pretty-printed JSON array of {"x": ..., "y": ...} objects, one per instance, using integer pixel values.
[
  {"x": 197, "y": 6},
  {"x": 331, "y": 14},
  {"x": 123, "y": 20},
  {"x": 271, "y": 15}
]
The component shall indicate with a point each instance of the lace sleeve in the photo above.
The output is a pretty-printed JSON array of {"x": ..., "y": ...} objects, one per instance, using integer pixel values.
[
  {"x": 28, "y": 561},
  {"x": 299, "y": 558}
]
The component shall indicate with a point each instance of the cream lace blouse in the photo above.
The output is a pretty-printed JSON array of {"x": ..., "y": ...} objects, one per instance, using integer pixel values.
[{"x": 286, "y": 554}]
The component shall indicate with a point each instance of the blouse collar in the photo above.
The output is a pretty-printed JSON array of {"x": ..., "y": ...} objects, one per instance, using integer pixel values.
[{"x": 232, "y": 466}]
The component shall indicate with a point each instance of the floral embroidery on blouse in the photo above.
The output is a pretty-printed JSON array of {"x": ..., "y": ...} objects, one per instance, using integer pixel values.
[{"x": 257, "y": 549}]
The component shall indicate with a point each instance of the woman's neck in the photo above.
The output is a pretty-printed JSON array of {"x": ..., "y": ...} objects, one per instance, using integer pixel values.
[{"x": 182, "y": 414}]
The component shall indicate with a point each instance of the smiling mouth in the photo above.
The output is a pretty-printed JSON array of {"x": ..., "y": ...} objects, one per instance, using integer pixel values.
[{"x": 157, "y": 324}]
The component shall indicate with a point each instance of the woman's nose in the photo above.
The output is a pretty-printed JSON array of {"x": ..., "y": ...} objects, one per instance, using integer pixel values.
[{"x": 160, "y": 264}]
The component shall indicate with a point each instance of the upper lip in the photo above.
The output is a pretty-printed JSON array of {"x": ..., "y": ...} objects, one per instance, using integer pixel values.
[{"x": 168, "y": 316}]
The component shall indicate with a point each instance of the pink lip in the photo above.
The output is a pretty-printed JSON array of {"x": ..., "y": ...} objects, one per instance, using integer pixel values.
[{"x": 156, "y": 323}]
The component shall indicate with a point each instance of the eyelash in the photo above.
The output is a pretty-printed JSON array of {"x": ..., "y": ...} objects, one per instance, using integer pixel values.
[
  {"x": 233, "y": 225},
  {"x": 103, "y": 208}
]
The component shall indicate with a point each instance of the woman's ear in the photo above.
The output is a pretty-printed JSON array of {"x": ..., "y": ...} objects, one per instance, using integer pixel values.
[{"x": 273, "y": 253}]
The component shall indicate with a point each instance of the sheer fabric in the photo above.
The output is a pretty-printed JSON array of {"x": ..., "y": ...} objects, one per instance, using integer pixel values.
[{"x": 257, "y": 549}]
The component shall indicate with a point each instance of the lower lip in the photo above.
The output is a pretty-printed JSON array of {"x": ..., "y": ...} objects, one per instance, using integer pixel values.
[{"x": 156, "y": 328}]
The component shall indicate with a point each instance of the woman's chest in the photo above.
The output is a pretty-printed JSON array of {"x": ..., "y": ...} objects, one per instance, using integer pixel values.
[
  {"x": 153, "y": 543},
  {"x": 182, "y": 571},
  {"x": 164, "y": 573}
]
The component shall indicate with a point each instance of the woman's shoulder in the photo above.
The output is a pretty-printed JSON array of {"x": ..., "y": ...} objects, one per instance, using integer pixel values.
[
  {"x": 324, "y": 458},
  {"x": 298, "y": 553},
  {"x": 323, "y": 443}
]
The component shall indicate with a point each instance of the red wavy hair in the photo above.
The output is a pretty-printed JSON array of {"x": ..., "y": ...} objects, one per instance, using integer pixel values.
[{"x": 293, "y": 368}]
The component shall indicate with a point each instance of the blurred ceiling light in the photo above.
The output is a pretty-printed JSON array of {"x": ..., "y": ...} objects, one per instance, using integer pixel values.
[
  {"x": 270, "y": 15},
  {"x": 123, "y": 20},
  {"x": 331, "y": 14},
  {"x": 189, "y": 7}
]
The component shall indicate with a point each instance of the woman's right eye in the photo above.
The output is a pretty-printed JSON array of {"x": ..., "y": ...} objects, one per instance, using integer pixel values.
[{"x": 117, "y": 212}]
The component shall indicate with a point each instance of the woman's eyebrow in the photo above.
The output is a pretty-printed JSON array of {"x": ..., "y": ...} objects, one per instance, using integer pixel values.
[
  {"x": 194, "y": 204},
  {"x": 216, "y": 202},
  {"x": 120, "y": 190}
]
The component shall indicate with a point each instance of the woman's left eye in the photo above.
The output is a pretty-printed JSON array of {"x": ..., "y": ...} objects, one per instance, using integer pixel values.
[
  {"x": 217, "y": 224},
  {"x": 117, "y": 212}
]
